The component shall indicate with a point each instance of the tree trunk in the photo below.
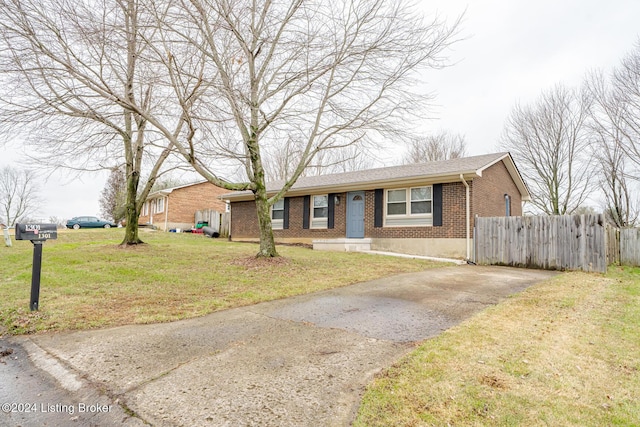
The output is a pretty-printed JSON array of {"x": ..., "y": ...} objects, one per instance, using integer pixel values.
[
  {"x": 267, "y": 243},
  {"x": 132, "y": 213}
]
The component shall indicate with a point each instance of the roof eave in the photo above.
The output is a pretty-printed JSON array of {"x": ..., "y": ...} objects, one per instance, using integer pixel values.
[
  {"x": 164, "y": 192},
  {"x": 359, "y": 186},
  {"x": 510, "y": 164},
  {"x": 399, "y": 182}
]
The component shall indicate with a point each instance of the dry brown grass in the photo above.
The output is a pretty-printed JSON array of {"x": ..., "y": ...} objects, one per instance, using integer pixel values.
[
  {"x": 564, "y": 352},
  {"x": 89, "y": 281}
]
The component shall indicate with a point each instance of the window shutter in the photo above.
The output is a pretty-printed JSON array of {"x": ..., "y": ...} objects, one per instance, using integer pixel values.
[
  {"x": 331, "y": 210},
  {"x": 306, "y": 206},
  {"x": 378, "y": 207},
  {"x": 437, "y": 205},
  {"x": 285, "y": 220}
]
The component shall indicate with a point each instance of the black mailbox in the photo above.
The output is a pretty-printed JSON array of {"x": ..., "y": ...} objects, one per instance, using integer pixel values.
[{"x": 38, "y": 232}]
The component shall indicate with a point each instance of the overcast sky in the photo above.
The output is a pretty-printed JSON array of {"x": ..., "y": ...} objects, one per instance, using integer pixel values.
[{"x": 512, "y": 50}]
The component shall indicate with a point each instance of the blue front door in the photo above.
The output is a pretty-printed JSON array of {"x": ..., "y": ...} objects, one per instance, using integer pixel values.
[{"x": 355, "y": 215}]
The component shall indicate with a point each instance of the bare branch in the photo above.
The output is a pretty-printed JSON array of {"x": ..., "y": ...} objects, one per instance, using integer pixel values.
[
  {"x": 549, "y": 141},
  {"x": 441, "y": 146},
  {"x": 301, "y": 76},
  {"x": 18, "y": 195}
]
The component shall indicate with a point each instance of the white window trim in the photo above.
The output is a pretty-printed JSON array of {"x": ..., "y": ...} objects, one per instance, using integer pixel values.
[
  {"x": 321, "y": 222},
  {"x": 386, "y": 202},
  {"x": 159, "y": 205},
  {"x": 408, "y": 215},
  {"x": 277, "y": 224}
]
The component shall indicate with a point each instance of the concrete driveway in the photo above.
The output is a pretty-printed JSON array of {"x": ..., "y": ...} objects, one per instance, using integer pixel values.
[{"x": 294, "y": 362}]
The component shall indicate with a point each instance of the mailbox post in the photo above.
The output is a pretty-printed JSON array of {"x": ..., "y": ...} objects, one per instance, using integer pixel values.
[{"x": 38, "y": 234}]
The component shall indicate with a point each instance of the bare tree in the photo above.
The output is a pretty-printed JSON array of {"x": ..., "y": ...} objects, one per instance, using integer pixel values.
[
  {"x": 347, "y": 159},
  {"x": 549, "y": 141},
  {"x": 622, "y": 205},
  {"x": 626, "y": 93},
  {"x": 114, "y": 195},
  {"x": 18, "y": 195},
  {"x": 320, "y": 74},
  {"x": 60, "y": 222},
  {"x": 281, "y": 159},
  {"x": 609, "y": 127},
  {"x": 280, "y": 163},
  {"x": 441, "y": 146},
  {"x": 74, "y": 78}
]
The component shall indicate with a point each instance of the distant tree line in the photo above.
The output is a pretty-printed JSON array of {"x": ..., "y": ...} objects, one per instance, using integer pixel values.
[{"x": 578, "y": 144}]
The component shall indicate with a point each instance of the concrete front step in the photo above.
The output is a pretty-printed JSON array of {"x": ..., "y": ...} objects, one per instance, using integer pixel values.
[{"x": 342, "y": 245}]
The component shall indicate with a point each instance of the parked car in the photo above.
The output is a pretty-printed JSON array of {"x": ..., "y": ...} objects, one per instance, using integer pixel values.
[{"x": 88, "y": 222}]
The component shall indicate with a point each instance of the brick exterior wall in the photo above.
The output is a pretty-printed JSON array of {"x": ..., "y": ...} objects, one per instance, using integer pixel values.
[
  {"x": 489, "y": 190},
  {"x": 486, "y": 199},
  {"x": 181, "y": 204},
  {"x": 244, "y": 223}
]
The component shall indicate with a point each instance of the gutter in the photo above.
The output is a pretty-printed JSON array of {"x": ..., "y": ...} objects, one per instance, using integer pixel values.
[
  {"x": 166, "y": 215},
  {"x": 468, "y": 219}
]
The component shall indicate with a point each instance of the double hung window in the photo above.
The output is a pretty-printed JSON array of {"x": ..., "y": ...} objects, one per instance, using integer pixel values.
[
  {"x": 409, "y": 206},
  {"x": 319, "y": 211},
  {"x": 277, "y": 215},
  {"x": 160, "y": 204}
]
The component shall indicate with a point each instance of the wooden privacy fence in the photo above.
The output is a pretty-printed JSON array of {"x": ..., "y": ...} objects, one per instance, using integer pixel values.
[
  {"x": 613, "y": 245},
  {"x": 629, "y": 246},
  {"x": 216, "y": 220},
  {"x": 575, "y": 242}
]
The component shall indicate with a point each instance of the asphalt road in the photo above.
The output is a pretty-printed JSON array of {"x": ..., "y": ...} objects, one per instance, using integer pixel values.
[
  {"x": 293, "y": 362},
  {"x": 36, "y": 390}
]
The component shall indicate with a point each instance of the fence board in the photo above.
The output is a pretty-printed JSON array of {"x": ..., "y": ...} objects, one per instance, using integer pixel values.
[
  {"x": 225, "y": 224},
  {"x": 550, "y": 242},
  {"x": 630, "y": 246},
  {"x": 216, "y": 220},
  {"x": 613, "y": 245}
]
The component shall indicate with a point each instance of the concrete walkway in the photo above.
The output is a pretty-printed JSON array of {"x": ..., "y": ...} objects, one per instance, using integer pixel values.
[{"x": 301, "y": 361}]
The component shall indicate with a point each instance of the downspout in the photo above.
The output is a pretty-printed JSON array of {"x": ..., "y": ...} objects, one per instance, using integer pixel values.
[
  {"x": 229, "y": 212},
  {"x": 166, "y": 215},
  {"x": 468, "y": 217}
]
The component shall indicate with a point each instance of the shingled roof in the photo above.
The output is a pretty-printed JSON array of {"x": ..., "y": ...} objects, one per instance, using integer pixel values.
[{"x": 440, "y": 172}]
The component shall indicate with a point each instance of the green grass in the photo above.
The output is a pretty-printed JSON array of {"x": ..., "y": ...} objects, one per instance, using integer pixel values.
[
  {"x": 88, "y": 281},
  {"x": 565, "y": 352}
]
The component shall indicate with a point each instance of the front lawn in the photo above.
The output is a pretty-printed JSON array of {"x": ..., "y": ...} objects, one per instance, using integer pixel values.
[
  {"x": 565, "y": 352},
  {"x": 88, "y": 281}
]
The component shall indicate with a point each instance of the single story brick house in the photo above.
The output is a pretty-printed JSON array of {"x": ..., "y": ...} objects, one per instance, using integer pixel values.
[
  {"x": 175, "y": 208},
  {"x": 421, "y": 209}
]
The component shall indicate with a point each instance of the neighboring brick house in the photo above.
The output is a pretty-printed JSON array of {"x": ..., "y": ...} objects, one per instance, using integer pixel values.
[
  {"x": 422, "y": 209},
  {"x": 174, "y": 208}
]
